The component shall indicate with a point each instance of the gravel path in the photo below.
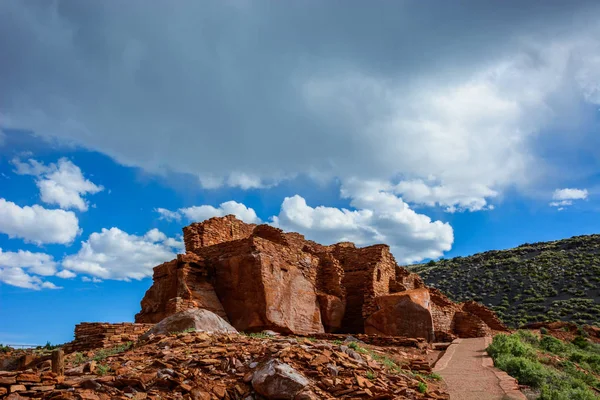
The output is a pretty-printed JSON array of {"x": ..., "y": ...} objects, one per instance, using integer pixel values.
[{"x": 470, "y": 375}]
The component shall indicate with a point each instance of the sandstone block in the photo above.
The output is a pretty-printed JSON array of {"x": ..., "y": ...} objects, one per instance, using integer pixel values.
[{"x": 403, "y": 314}]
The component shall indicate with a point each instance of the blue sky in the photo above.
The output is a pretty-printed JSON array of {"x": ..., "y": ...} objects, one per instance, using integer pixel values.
[{"x": 438, "y": 130}]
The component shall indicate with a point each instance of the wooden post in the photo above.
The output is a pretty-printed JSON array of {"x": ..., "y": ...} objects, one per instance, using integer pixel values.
[{"x": 58, "y": 362}]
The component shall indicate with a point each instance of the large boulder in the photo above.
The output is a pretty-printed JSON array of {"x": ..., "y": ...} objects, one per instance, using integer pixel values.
[
  {"x": 403, "y": 314},
  {"x": 193, "y": 318},
  {"x": 278, "y": 381}
]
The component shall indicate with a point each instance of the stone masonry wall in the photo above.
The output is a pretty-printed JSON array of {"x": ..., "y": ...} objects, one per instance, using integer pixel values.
[
  {"x": 259, "y": 277},
  {"x": 215, "y": 231},
  {"x": 94, "y": 335}
]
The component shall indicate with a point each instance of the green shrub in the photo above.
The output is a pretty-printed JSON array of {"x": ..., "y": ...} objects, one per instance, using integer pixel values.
[
  {"x": 529, "y": 337},
  {"x": 581, "y": 342},
  {"x": 422, "y": 387},
  {"x": 553, "y": 345},
  {"x": 104, "y": 353},
  {"x": 510, "y": 345},
  {"x": 527, "y": 371},
  {"x": 102, "y": 369},
  {"x": 543, "y": 331}
]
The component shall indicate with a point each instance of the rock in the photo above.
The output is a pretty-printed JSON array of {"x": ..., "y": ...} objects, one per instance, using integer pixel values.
[
  {"x": 332, "y": 311},
  {"x": 403, "y": 314},
  {"x": 258, "y": 278},
  {"x": 306, "y": 395},
  {"x": 277, "y": 380},
  {"x": 179, "y": 284},
  {"x": 271, "y": 333},
  {"x": 194, "y": 318}
]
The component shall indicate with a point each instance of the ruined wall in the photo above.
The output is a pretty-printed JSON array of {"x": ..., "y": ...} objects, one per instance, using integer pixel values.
[
  {"x": 467, "y": 325},
  {"x": 356, "y": 277},
  {"x": 259, "y": 277},
  {"x": 93, "y": 335},
  {"x": 485, "y": 314},
  {"x": 442, "y": 311},
  {"x": 214, "y": 231},
  {"x": 368, "y": 272},
  {"x": 178, "y": 285}
]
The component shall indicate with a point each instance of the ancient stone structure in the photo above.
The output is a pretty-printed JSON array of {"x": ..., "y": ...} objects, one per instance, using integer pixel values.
[
  {"x": 257, "y": 277},
  {"x": 93, "y": 335}
]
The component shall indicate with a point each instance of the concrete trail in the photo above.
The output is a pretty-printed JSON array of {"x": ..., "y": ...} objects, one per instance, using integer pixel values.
[{"x": 470, "y": 374}]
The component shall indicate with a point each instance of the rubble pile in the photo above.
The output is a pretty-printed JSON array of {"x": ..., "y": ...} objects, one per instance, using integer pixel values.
[{"x": 198, "y": 365}]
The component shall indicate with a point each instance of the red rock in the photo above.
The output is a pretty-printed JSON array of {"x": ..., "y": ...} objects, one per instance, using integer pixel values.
[
  {"x": 403, "y": 314},
  {"x": 178, "y": 285},
  {"x": 259, "y": 278},
  {"x": 332, "y": 311},
  {"x": 29, "y": 378},
  {"x": 17, "y": 388},
  {"x": 8, "y": 380}
]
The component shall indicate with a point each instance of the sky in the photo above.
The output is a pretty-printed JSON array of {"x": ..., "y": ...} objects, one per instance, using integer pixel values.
[{"x": 440, "y": 128}]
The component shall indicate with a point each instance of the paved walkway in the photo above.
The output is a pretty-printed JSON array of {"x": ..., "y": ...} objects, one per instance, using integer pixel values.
[{"x": 470, "y": 375}]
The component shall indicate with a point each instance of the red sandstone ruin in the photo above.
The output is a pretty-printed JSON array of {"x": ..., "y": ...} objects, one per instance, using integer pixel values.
[{"x": 258, "y": 277}]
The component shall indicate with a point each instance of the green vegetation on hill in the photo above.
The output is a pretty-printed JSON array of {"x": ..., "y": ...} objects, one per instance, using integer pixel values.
[
  {"x": 556, "y": 369},
  {"x": 537, "y": 282}
]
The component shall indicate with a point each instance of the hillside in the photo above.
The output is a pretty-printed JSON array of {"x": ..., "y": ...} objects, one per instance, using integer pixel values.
[{"x": 557, "y": 280}]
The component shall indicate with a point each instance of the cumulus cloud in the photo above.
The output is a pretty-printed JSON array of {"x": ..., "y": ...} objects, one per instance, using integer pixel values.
[
  {"x": 66, "y": 274},
  {"x": 379, "y": 217},
  {"x": 115, "y": 254},
  {"x": 200, "y": 213},
  {"x": 37, "y": 224},
  {"x": 62, "y": 183},
  {"x": 564, "y": 197},
  {"x": 454, "y": 114},
  {"x": 22, "y": 267},
  {"x": 168, "y": 214},
  {"x": 37, "y": 263}
]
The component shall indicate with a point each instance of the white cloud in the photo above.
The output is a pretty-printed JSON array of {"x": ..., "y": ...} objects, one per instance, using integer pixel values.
[
  {"x": 201, "y": 213},
  {"x": 168, "y": 214},
  {"x": 470, "y": 112},
  {"x": 37, "y": 224},
  {"x": 154, "y": 235},
  {"x": 570, "y": 194},
  {"x": 88, "y": 279},
  {"x": 18, "y": 277},
  {"x": 379, "y": 217},
  {"x": 565, "y": 197},
  {"x": 37, "y": 263},
  {"x": 454, "y": 198},
  {"x": 66, "y": 274},
  {"x": 62, "y": 183},
  {"x": 22, "y": 268},
  {"x": 175, "y": 244},
  {"x": 114, "y": 254},
  {"x": 50, "y": 285}
]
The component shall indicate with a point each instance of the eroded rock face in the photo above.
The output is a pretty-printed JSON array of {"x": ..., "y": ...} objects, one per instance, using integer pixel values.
[
  {"x": 179, "y": 284},
  {"x": 403, "y": 314},
  {"x": 260, "y": 278}
]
